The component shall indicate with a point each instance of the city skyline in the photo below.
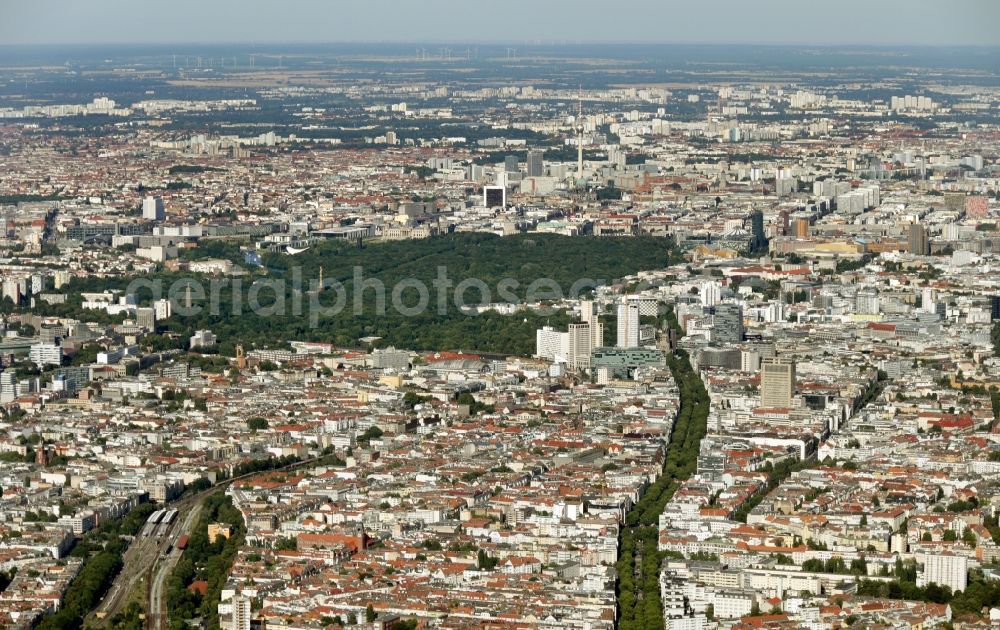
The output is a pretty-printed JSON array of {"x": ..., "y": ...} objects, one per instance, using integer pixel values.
[{"x": 546, "y": 335}]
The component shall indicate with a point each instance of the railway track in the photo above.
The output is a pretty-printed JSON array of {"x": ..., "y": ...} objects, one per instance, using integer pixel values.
[{"x": 144, "y": 560}]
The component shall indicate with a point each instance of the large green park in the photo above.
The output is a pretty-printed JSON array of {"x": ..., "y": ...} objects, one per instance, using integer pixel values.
[{"x": 537, "y": 267}]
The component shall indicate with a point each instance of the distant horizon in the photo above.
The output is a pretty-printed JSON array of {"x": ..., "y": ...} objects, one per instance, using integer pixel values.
[
  {"x": 541, "y": 44},
  {"x": 584, "y": 22}
]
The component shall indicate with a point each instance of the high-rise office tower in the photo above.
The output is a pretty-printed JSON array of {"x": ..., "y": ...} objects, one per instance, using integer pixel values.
[
  {"x": 918, "y": 241},
  {"x": 628, "y": 326},
  {"x": 152, "y": 209},
  {"x": 995, "y": 307},
  {"x": 146, "y": 318},
  {"x": 590, "y": 315},
  {"x": 581, "y": 345},
  {"x": 800, "y": 228},
  {"x": 551, "y": 344},
  {"x": 536, "y": 164},
  {"x": 727, "y": 323},
  {"x": 8, "y": 386},
  {"x": 510, "y": 164},
  {"x": 759, "y": 240},
  {"x": 710, "y": 293},
  {"x": 777, "y": 382},
  {"x": 927, "y": 302},
  {"x": 596, "y": 333},
  {"x": 162, "y": 309}
]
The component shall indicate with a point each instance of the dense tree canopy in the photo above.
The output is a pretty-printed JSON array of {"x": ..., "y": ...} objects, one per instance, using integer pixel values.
[
  {"x": 101, "y": 550},
  {"x": 639, "y": 560},
  {"x": 204, "y": 560},
  {"x": 538, "y": 266}
]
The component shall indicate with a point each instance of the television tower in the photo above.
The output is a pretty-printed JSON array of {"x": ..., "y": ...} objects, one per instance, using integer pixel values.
[{"x": 579, "y": 138}]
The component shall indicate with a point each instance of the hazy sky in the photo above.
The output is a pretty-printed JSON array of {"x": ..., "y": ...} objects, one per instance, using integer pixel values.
[{"x": 932, "y": 22}]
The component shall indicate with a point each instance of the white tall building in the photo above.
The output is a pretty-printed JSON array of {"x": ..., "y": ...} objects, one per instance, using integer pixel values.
[
  {"x": 241, "y": 613},
  {"x": 628, "y": 326},
  {"x": 749, "y": 361},
  {"x": 573, "y": 347},
  {"x": 162, "y": 309},
  {"x": 551, "y": 344},
  {"x": 711, "y": 293},
  {"x": 589, "y": 315},
  {"x": 152, "y": 209},
  {"x": 42, "y": 354},
  {"x": 944, "y": 569},
  {"x": 8, "y": 386},
  {"x": 927, "y": 304},
  {"x": 774, "y": 312},
  {"x": 202, "y": 339},
  {"x": 581, "y": 344},
  {"x": 596, "y": 333}
]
